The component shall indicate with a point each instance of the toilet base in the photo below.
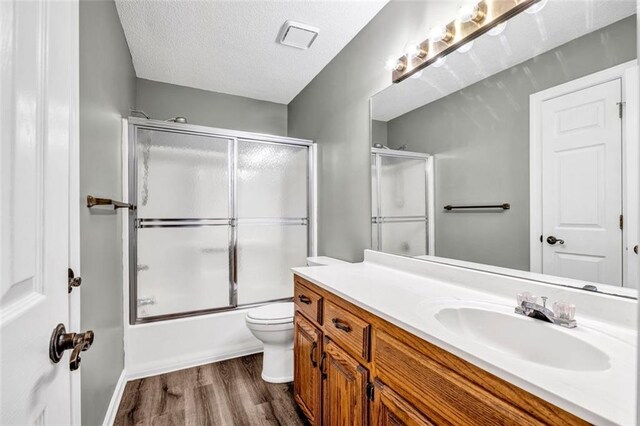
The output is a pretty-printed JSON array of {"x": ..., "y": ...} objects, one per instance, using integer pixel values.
[{"x": 277, "y": 363}]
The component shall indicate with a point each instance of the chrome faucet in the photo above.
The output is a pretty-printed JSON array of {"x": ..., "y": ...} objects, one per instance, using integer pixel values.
[{"x": 563, "y": 315}]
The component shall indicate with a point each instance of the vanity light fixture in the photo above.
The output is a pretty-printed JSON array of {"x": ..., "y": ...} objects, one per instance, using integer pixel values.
[{"x": 474, "y": 19}]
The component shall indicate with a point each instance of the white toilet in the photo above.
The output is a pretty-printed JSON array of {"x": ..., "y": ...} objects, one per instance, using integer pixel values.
[{"x": 273, "y": 325}]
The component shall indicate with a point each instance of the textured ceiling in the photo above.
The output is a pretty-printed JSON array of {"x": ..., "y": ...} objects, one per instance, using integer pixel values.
[
  {"x": 230, "y": 46},
  {"x": 526, "y": 36}
]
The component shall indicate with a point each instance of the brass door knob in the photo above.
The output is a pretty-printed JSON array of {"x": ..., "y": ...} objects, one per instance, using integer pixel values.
[{"x": 61, "y": 341}]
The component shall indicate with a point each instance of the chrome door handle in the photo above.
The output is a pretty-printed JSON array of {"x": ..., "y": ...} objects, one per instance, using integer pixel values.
[{"x": 553, "y": 240}]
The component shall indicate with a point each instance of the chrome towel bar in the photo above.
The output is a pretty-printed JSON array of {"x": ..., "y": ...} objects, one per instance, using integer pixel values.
[
  {"x": 96, "y": 201},
  {"x": 503, "y": 206}
]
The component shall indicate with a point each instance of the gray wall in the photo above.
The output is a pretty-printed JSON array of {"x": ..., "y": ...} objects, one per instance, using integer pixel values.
[
  {"x": 107, "y": 90},
  {"x": 163, "y": 101},
  {"x": 333, "y": 110},
  {"x": 379, "y": 132},
  {"x": 482, "y": 147}
]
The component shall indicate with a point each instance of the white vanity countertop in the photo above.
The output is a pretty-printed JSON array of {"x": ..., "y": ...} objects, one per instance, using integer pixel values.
[{"x": 408, "y": 294}]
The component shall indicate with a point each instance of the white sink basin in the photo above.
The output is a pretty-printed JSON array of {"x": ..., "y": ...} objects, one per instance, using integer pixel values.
[{"x": 522, "y": 337}]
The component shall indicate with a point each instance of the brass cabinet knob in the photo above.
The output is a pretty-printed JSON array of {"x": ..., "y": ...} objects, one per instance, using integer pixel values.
[{"x": 61, "y": 341}]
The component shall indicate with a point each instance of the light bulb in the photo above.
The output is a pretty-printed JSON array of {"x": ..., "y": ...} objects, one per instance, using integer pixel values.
[
  {"x": 439, "y": 62},
  {"x": 471, "y": 12},
  {"x": 394, "y": 65},
  {"x": 413, "y": 49},
  {"x": 465, "y": 47},
  {"x": 417, "y": 75},
  {"x": 537, "y": 7},
  {"x": 390, "y": 64},
  {"x": 440, "y": 33},
  {"x": 497, "y": 30}
]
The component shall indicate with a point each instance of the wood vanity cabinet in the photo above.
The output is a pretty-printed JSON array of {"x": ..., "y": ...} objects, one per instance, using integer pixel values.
[
  {"x": 389, "y": 408},
  {"x": 354, "y": 368},
  {"x": 344, "y": 389},
  {"x": 307, "y": 386}
]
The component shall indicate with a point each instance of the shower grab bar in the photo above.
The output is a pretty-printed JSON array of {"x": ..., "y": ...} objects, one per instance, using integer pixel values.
[
  {"x": 96, "y": 201},
  {"x": 503, "y": 206}
]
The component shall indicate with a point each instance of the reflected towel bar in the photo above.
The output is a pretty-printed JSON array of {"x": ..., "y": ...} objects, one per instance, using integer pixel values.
[
  {"x": 95, "y": 201},
  {"x": 503, "y": 206}
]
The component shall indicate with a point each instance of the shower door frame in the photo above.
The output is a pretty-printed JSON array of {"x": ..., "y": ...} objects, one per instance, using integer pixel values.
[
  {"x": 376, "y": 216},
  {"x": 232, "y": 136}
]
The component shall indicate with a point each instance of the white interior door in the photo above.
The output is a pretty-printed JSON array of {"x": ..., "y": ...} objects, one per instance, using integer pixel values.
[
  {"x": 582, "y": 184},
  {"x": 37, "y": 81}
]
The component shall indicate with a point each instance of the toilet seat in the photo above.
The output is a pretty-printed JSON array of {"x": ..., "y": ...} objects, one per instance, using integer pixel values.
[{"x": 272, "y": 314}]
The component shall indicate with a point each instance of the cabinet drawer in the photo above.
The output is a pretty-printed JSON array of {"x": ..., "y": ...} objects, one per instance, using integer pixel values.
[
  {"x": 438, "y": 392},
  {"x": 348, "y": 330},
  {"x": 308, "y": 302}
]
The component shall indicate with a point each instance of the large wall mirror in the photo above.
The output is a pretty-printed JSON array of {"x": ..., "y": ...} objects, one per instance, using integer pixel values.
[{"x": 519, "y": 151}]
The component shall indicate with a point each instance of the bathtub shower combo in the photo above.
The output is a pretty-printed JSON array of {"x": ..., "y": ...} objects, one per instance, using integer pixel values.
[{"x": 221, "y": 216}]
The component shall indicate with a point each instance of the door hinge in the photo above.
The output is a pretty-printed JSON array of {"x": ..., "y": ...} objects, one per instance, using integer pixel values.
[
  {"x": 370, "y": 390},
  {"x": 621, "y": 221},
  {"x": 620, "y": 108}
]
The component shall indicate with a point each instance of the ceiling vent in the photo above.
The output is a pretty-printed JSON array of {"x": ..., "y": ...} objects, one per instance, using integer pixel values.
[{"x": 298, "y": 35}]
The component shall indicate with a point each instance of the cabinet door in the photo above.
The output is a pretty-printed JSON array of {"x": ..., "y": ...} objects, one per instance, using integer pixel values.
[
  {"x": 390, "y": 409},
  {"x": 345, "y": 388},
  {"x": 307, "y": 378}
]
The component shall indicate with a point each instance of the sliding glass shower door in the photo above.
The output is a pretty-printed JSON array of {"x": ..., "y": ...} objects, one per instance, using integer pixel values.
[
  {"x": 272, "y": 190},
  {"x": 219, "y": 221},
  {"x": 399, "y": 202},
  {"x": 183, "y": 222}
]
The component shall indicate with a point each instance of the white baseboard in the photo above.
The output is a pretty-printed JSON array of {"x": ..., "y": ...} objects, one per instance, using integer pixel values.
[
  {"x": 173, "y": 365},
  {"x": 112, "y": 409}
]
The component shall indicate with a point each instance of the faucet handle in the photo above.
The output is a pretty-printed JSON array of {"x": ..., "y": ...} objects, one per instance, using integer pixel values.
[
  {"x": 564, "y": 310},
  {"x": 526, "y": 296},
  {"x": 544, "y": 301}
]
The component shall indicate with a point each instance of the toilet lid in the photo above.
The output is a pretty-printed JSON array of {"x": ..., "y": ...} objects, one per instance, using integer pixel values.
[{"x": 274, "y": 312}]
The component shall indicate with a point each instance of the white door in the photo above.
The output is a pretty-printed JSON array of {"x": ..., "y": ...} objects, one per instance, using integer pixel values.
[
  {"x": 37, "y": 97},
  {"x": 582, "y": 184}
]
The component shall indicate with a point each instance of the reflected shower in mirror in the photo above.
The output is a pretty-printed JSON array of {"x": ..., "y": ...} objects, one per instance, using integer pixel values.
[{"x": 529, "y": 155}]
